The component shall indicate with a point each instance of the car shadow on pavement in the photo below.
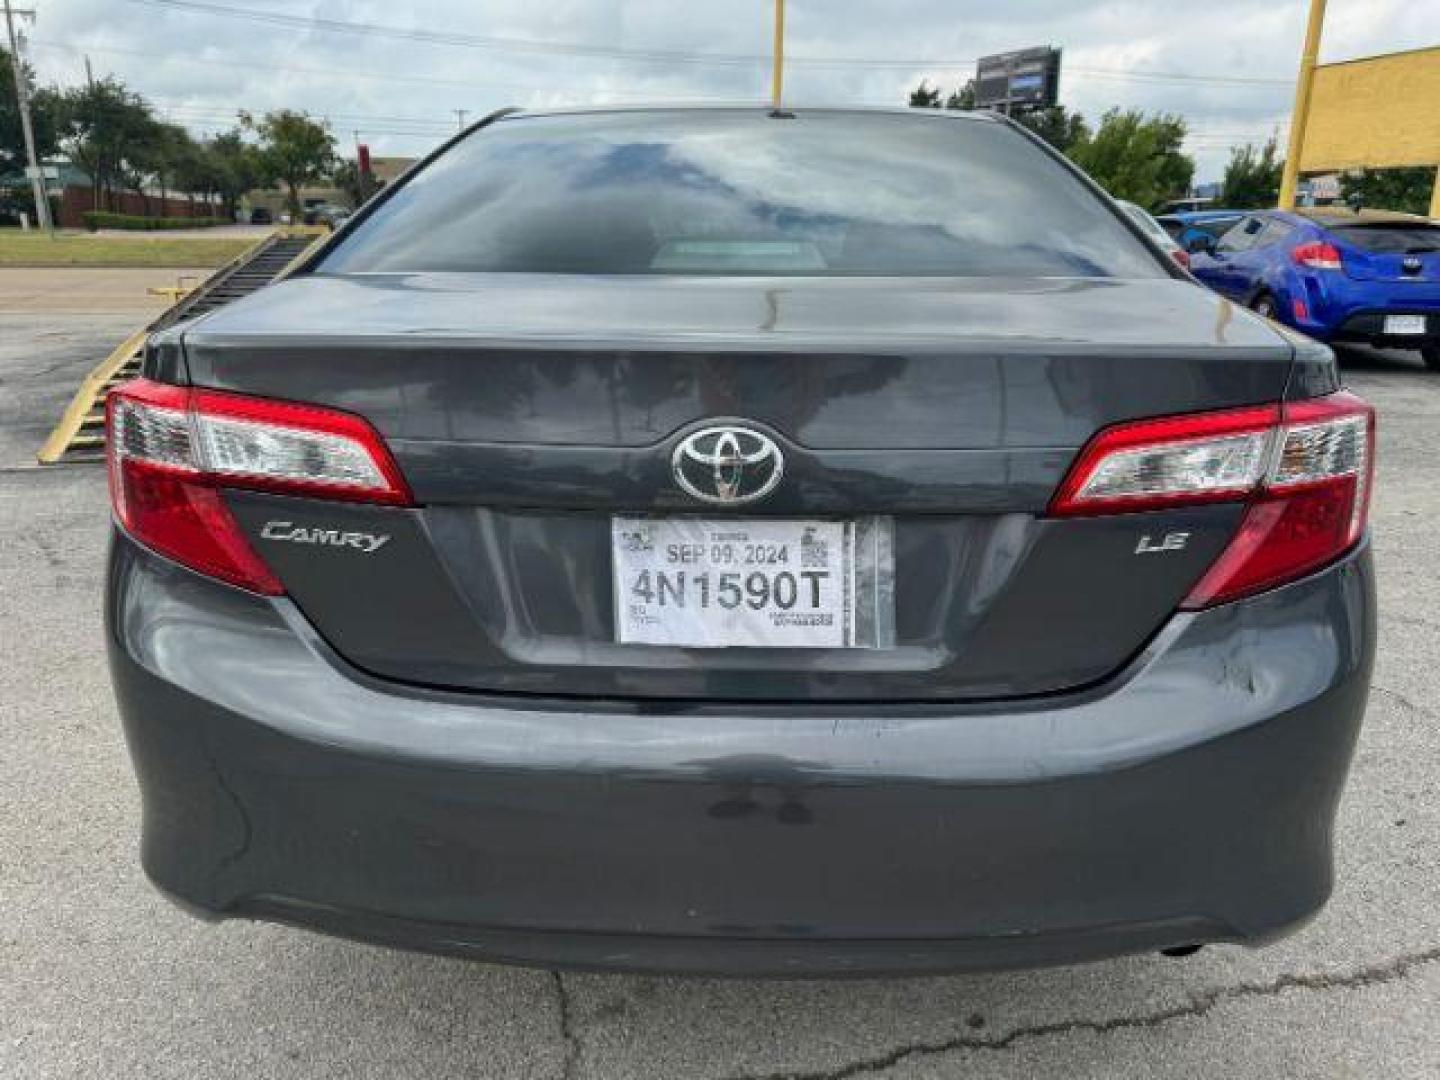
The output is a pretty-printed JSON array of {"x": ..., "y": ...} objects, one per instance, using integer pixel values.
[
  {"x": 1379, "y": 361},
  {"x": 575, "y": 1025}
]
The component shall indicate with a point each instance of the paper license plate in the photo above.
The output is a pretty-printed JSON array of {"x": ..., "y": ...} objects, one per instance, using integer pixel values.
[
  {"x": 758, "y": 583},
  {"x": 1404, "y": 324}
]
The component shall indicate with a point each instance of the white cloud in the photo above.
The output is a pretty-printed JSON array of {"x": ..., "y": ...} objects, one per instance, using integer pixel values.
[{"x": 201, "y": 68}]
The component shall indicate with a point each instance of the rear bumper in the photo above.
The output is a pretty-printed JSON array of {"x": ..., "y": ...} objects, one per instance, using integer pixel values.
[
  {"x": 1369, "y": 327},
  {"x": 1190, "y": 799},
  {"x": 1356, "y": 313}
]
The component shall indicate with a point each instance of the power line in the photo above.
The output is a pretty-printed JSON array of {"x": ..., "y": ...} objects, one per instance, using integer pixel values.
[
  {"x": 438, "y": 37},
  {"x": 248, "y": 65},
  {"x": 197, "y": 106},
  {"x": 571, "y": 48},
  {"x": 342, "y": 73},
  {"x": 1223, "y": 129}
]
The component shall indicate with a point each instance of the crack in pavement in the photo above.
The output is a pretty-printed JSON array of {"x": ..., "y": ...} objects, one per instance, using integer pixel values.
[
  {"x": 567, "y": 1030},
  {"x": 1411, "y": 620},
  {"x": 1199, "y": 1005},
  {"x": 1395, "y": 695}
]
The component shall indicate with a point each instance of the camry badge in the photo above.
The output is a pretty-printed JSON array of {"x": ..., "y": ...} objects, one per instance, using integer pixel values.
[{"x": 301, "y": 534}]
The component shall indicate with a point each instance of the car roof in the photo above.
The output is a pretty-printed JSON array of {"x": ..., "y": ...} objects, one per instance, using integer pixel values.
[
  {"x": 1188, "y": 216},
  {"x": 1343, "y": 215},
  {"x": 789, "y": 110}
]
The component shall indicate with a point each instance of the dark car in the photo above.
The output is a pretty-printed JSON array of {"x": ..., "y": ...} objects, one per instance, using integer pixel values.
[
  {"x": 1189, "y": 228},
  {"x": 261, "y": 215},
  {"x": 1371, "y": 277},
  {"x": 713, "y": 540}
]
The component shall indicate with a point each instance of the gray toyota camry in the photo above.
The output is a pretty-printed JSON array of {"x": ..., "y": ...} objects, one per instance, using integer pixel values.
[{"x": 725, "y": 540}]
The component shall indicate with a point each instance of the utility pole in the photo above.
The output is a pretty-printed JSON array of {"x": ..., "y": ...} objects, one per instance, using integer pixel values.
[
  {"x": 22, "y": 100},
  {"x": 777, "y": 78},
  {"x": 362, "y": 174},
  {"x": 1301, "y": 115},
  {"x": 460, "y": 115}
]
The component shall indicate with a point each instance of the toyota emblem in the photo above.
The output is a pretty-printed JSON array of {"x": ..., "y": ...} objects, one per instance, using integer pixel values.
[{"x": 727, "y": 464}]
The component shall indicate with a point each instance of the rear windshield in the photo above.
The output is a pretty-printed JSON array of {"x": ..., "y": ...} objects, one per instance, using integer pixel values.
[
  {"x": 1216, "y": 227},
  {"x": 1392, "y": 239},
  {"x": 735, "y": 192}
]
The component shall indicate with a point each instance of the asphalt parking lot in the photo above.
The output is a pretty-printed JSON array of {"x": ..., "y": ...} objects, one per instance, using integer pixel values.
[{"x": 101, "y": 977}]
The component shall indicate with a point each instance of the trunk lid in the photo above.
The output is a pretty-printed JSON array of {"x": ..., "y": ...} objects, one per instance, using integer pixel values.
[
  {"x": 1399, "y": 252},
  {"x": 528, "y": 411}
]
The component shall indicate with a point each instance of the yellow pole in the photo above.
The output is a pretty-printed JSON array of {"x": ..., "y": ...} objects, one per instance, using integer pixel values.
[
  {"x": 1435, "y": 196},
  {"x": 778, "y": 78},
  {"x": 1301, "y": 115}
]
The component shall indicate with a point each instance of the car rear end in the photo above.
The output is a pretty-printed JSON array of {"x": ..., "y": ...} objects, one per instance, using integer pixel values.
[
  {"x": 638, "y": 575},
  {"x": 1369, "y": 279},
  {"x": 1160, "y": 233}
]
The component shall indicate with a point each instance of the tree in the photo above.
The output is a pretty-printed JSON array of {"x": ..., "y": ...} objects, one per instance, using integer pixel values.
[
  {"x": 926, "y": 96},
  {"x": 1136, "y": 157},
  {"x": 107, "y": 131},
  {"x": 42, "y": 117},
  {"x": 1131, "y": 155},
  {"x": 161, "y": 154},
  {"x": 1252, "y": 178},
  {"x": 348, "y": 179},
  {"x": 195, "y": 170},
  {"x": 234, "y": 166},
  {"x": 963, "y": 98},
  {"x": 1406, "y": 189},
  {"x": 1057, "y": 125},
  {"x": 294, "y": 150}
]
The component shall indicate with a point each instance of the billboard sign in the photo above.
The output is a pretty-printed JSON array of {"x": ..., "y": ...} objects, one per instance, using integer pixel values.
[{"x": 1024, "y": 79}]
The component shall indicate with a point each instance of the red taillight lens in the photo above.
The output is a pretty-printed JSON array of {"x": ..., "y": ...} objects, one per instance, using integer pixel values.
[
  {"x": 1317, "y": 255},
  {"x": 1304, "y": 468},
  {"x": 1181, "y": 256},
  {"x": 170, "y": 449}
]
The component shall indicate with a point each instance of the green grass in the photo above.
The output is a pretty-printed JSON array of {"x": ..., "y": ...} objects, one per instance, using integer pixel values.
[{"x": 36, "y": 249}]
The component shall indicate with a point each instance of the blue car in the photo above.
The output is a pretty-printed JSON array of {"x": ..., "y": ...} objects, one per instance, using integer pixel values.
[
  {"x": 1370, "y": 277},
  {"x": 1187, "y": 227}
]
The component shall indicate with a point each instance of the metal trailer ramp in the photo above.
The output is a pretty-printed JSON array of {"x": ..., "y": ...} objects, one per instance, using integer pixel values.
[{"x": 80, "y": 434}]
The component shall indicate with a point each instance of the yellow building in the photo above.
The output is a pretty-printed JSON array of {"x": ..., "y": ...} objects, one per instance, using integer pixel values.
[{"x": 1380, "y": 112}]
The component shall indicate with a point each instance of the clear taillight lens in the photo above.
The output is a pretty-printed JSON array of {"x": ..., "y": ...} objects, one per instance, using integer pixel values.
[
  {"x": 1205, "y": 457},
  {"x": 152, "y": 432},
  {"x": 294, "y": 448},
  {"x": 171, "y": 448},
  {"x": 1303, "y": 469},
  {"x": 1176, "y": 470}
]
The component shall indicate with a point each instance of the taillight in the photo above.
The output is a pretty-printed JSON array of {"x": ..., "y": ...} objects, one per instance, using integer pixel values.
[
  {"x": 1181, "y": 256},
  {"x": 1302, "y": 468},
  {"x": 171, "y": 448},
  {"x": 1317, "y": 255}
]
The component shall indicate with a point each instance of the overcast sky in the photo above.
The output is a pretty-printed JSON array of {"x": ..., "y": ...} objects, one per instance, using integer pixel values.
[{"x": 400, "y": 91}]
